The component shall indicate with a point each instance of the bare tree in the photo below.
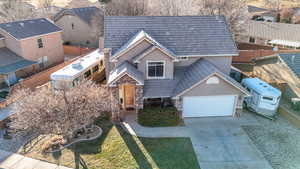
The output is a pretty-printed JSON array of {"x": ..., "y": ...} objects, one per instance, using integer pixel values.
[
  {"x": 176, "y": 7},
  {"x": 13, "y": 10},
  {"x": 45, "y": 7},
  {"x": 45, "y": 111},
  {"x": 235, "y": 12},
  {"x": 126, "y": 7}
]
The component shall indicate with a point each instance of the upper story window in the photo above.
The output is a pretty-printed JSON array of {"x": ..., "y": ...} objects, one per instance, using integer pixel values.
[
  {"x": 155, "y": 69},
  {"x": 252, "y": 40},
  {"x": 40, "y": 43},
  {"x": 73, "y": 26}
]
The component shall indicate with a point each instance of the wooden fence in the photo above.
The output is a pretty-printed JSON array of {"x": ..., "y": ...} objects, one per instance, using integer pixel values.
[{"x": 76, "y": 50}]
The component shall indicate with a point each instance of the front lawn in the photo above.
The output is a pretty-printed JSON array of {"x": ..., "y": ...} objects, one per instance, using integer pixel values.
[
  {"x": 118, "y": 150},
  {"x": 279, "y": 142},
  {"x": 159, "y": 117}
]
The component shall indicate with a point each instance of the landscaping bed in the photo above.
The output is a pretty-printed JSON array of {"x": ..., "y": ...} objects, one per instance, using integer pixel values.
[
  {"x": 116, "y": 149},
  {"x": 278, "y": 140},
  {"x": 159, "y": 117}
]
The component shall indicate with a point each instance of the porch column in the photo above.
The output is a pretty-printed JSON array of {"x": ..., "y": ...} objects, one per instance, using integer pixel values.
[
  {"x": 139, "y": 99},
  {"x": 115, "y": 106}
]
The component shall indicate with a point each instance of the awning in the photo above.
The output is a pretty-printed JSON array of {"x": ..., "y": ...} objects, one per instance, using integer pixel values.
[{"x": 285, "y": 43}]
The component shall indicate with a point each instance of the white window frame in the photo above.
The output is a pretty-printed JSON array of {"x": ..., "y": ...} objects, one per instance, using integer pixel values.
[{"x": 164, "y": 69}]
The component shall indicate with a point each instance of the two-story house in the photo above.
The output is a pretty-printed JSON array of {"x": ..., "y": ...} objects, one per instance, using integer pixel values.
[
  {"x": 185, "y": 60},
  {"x": 81, "y": 26},
  {"x": 26, "y": 46}
]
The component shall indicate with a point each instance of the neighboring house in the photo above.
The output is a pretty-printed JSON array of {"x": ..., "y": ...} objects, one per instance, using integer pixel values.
[
  {"x": 185, "y": 60},
  {"x": 281, "y": 35},
  {"x": 26, "y": 43},
  {"x": 281, "y": 68},
  {"x": 81, "y": 26}
]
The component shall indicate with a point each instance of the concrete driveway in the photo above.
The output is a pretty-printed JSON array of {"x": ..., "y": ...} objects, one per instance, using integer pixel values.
[{"x": 221, "y": 143}]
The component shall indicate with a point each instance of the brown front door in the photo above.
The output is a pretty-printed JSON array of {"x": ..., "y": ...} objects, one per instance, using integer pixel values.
[{"x": 129, "y": 91}]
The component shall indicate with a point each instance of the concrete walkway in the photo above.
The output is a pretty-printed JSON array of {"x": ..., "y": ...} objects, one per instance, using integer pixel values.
[
  {"x": 16, "y": 161},
  {"x": 219, "y": 142}
]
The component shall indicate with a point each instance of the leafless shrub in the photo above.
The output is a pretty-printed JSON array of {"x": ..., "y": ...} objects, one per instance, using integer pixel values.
[{"x": 60, "y": 112}]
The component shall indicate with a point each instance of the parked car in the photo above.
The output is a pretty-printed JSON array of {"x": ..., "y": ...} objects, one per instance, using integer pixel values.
[{"x": 265, "y": 98}]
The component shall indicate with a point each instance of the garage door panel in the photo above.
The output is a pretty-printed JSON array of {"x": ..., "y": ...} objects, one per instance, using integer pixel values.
[{"x": 205, "y": 106}]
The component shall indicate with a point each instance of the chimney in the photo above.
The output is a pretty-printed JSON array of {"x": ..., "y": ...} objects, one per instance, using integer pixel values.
[
  {"x": 101, "y": 43},
  {"x": 107, "y": 53}
]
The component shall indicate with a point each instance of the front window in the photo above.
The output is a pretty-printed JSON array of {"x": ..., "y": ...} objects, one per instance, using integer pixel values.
[
  {"x": 268, "y": 98},
  {"x": 40, "y": 43},
  {"x": 156, "y": 69}
]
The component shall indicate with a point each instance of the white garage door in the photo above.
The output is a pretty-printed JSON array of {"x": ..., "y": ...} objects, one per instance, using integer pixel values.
[{"x": 204, "y": 106}]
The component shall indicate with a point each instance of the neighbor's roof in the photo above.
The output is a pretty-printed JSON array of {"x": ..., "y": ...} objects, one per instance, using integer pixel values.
[
  {"x": 11, "y": 62},
  {"x": 273, "y": 31},
  {"x": 84, "y": 63},
  {"x": 292, "y": 60},
  {"x": 29, "y": 28},
  {"x": 197, "y": 72},
  {"x": 253, "y": 9},
  {"x": 285, "y": 43},
  {"x": 183, "y": 35},
  {"x": 86, "y": 14},
  {"x": 126, "y": 68}
]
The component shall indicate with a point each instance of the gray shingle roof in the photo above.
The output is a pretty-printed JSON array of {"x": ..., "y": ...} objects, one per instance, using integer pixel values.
[
  {"x": 138, "y": 37},
  {"x": 292, "y": 60},
  {"x": 273, "y": 31},
  {"x": 252, "y": 9},
  {"x": 199, "y": 71},
  {"x": 11, "y": 62},
  {"x": 28, "y": 28},
  {"x": 185, "y": 78},
  {"x": 126, "y": 68},
  {"x": 184, "y": 35},
  {"x": 85, "y": 14}
]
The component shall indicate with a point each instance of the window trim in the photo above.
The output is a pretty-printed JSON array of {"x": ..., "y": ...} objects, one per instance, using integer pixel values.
[{"x": 164, "y": 69}]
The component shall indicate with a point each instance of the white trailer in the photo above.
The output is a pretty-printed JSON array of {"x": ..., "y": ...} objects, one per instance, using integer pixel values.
[
  {"x": 265, "y": 98},
  {"x": 83, "y": 68}
]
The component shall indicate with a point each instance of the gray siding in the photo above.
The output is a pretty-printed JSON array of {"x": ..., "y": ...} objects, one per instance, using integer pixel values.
[
  {"x": 133, "y": 52},
  {"x": 223, "y": 63},
  {"x": 157, "y": 55}
]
